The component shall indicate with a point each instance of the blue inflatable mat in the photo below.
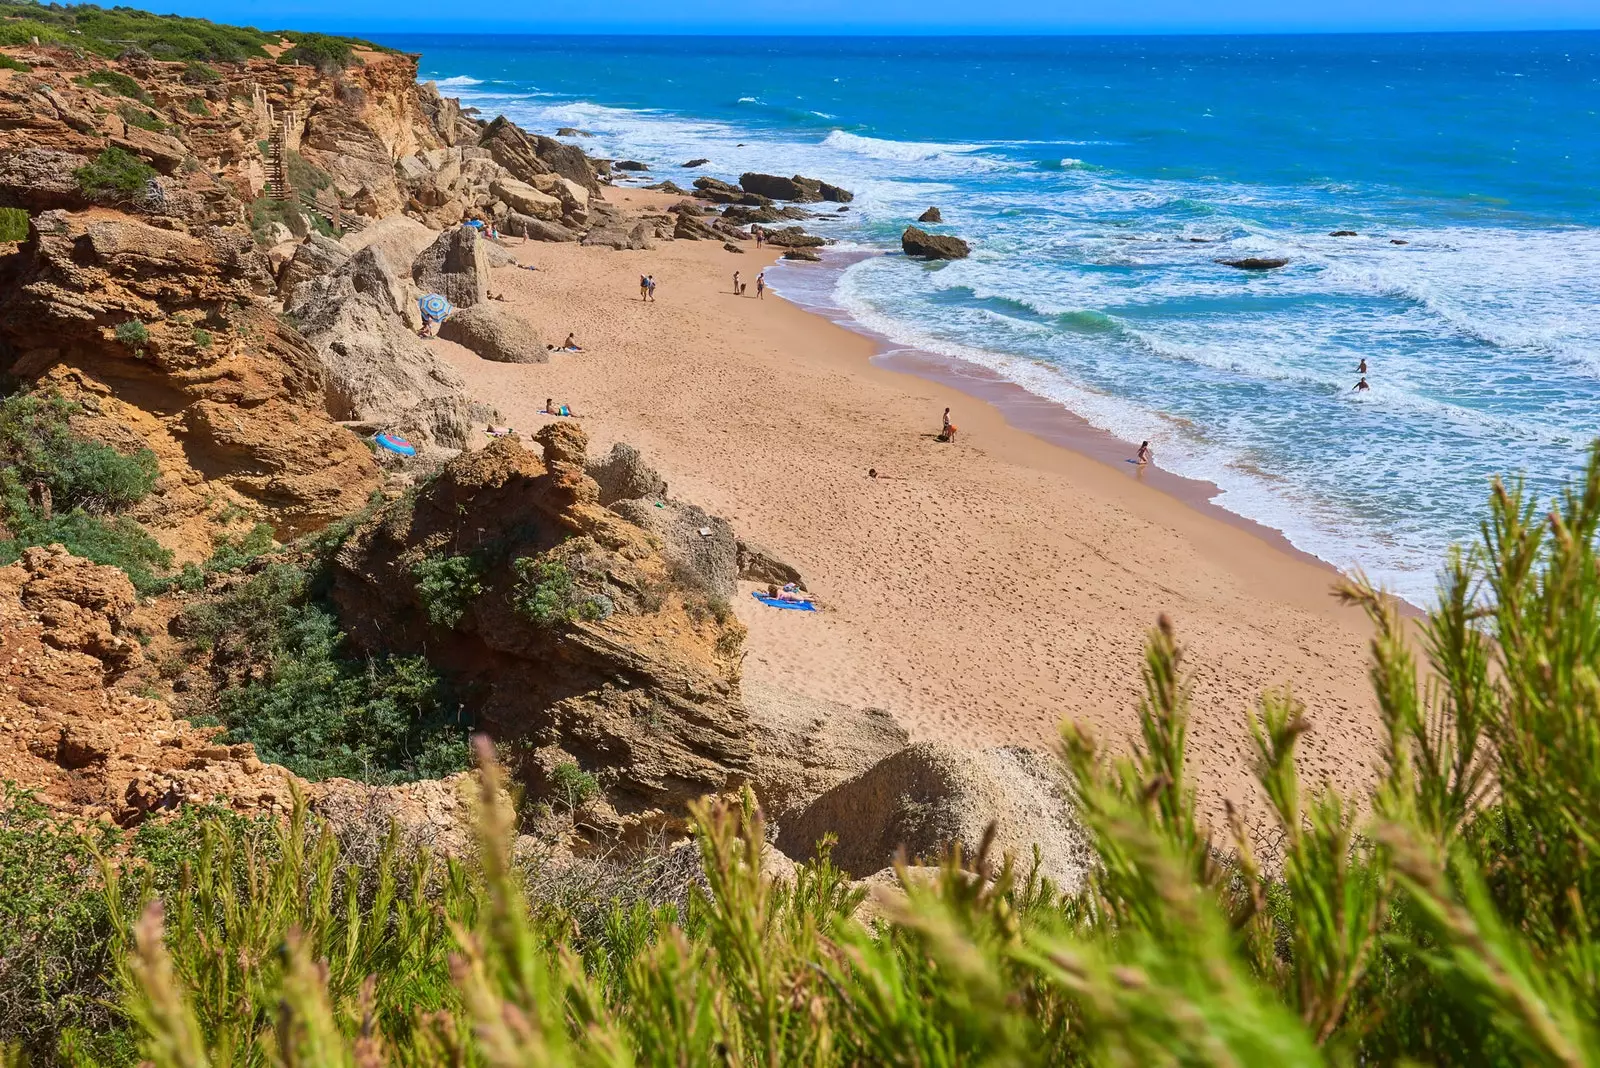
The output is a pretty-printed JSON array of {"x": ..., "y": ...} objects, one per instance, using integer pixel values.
[{"x": 778, "y": 602}]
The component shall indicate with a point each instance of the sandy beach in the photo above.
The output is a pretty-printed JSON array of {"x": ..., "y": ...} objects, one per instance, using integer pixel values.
[{"x": 985, "y": 591}]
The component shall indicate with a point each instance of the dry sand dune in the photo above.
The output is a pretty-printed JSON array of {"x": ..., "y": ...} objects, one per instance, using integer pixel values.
[{"x": 985, "y": 592}]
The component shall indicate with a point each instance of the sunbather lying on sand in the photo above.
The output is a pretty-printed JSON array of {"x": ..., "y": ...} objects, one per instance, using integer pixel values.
[
  {"x": 552, "y": 408},
  {"x": 789, "y": 592},
  {"x": 497, "y": 431}
]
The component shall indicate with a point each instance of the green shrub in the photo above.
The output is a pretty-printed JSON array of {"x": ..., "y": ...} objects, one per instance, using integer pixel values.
[
  {"x": 38, "y": 444},
  {"x": 447, "y": 585},
  {"x": 9, "y": 63},
  {"x": 572, "y": 785},
  {"x": 116, "y": 82},
  {"x": 198, "y": 73},
  {"x": 286, "y": 683},
  {"x": 329, "y": 55},
  {"x": 132, "y": 333},
  {"x": 546, "y": 594},
  {"x": 86, "y": 481},
  {"x": 139, "y": 117},
  {"x": 264, "y": 211},
  {"x": 196, "y": 106},
  {"x": 13, "y": 224},
  {"x": 202, "y": 338},
  {"x": 115, "y": 172},
  {"x": 304, "y": 175}
]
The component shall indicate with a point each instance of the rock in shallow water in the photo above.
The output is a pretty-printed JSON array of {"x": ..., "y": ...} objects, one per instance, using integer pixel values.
[
  {"x": 915, "y": 242},
  {"x": 930, "y": 216},
  {"x": 1256, "y": 263}
]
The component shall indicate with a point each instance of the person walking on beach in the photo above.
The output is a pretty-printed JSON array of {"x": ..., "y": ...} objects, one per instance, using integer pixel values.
[
  {"x": 948, "y": 435},
  {"x": 736, "y": 283},
  {"x": 650, "y": 288},
  {"x": 761, "y": 286},
  {"x": 757, "y": 231},
  {"x": 644, "y": 287},
  {"x": 1144, "y": 455},
  {"x": 1361, "y": 386}
]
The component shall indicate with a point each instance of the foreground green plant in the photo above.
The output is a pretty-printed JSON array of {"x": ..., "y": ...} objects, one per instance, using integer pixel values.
[{"x": 1444, "y": 919}]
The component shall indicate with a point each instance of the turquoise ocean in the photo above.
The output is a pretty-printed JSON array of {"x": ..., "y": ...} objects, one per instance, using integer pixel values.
[{"x": 1099, "y": 178}]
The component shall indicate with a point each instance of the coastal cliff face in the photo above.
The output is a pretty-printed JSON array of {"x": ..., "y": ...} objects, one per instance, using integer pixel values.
[{"x": 577, "y": 639}]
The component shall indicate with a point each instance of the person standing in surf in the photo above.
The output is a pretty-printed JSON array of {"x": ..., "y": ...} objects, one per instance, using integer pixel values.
[{"x": 1144, "y": 455}]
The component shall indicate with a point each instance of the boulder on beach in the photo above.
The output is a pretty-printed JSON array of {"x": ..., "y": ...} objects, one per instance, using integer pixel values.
[
  {"x": 697, "y": 162},
  {"x": 630, "y": 165},
  {"x": 1343, "y": 233},
  {"x": 731, "y": 247},
  {"x": 803, "y": 747},
  {"x": 494, "y": 334},
  {"x": 930, "y": 796},
  {"x": 809, "y": 255},
  {"x": 519, "y": 225},
  {"x": 920, "y": 243},
  {"x": 930, "y": 216},
  {"x": 1256, "y": 263},
  {"x": 317, "y": 255},
  {"x": 669, "y": 186},
  {"x": 758, "y": 564},
  {"x": 793, "y": 237},
  {"x": 455, "y": 267}
]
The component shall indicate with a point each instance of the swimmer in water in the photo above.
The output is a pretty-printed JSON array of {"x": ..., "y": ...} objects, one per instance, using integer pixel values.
[
  {"x": 1362, "y": 369},
  {"x": 1361, "y": 386}
]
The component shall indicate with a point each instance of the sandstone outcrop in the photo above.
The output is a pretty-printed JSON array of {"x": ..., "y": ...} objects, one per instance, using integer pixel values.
[
  {"x": 525, "y": 155},
  {"x": 624, "y": 476},
  {"x": 805, "y": 254},
  {"x": 218, "y": 388},
  {"x": 455, "y": 267},
  {"x": 929, "y": 796},
  {"x": 518, "y": 225},
  {"x": 496, "y": 334},
  {"x": 638, "y": 685},
  {"x": 920, "y": 243},
  {"x": 314, "y": 257},
  {"x": 92, "y": 750},
  {"x": 803, "y": 747},
  {"x": 400, "y": 238},
  {"x": 758, "y": 564},
  {"x": 699, "y": 548},
  {"x": 378, "y": 373}
]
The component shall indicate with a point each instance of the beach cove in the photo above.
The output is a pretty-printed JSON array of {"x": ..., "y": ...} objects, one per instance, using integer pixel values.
[{"x": 983, "y": 592}]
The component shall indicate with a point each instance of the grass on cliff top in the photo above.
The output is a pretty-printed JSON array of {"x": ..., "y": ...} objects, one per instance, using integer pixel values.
[
  {"x": 1445, "y": 918},
  {"x": 111, "y": 32},
  {"x": 13, "y": 224}
]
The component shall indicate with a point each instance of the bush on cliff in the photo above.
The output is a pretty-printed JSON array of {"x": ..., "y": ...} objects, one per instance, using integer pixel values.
[
  {"x": 1447, "y": 918},
  {"x": 329, "y": 55},
  {"x": 286, "y": 682},
  {"x": 115, "y": 173},
  {"x": 13, "y": 224},
  {"x": 58, "y": 486}
]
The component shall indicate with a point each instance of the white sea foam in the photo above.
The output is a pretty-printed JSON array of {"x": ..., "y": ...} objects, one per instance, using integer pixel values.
[
  {"x": 902, "y": 151},
  {"x": 457, "y": 81}
]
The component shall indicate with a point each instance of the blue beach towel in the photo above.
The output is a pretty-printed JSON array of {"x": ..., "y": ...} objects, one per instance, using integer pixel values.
[{"x": 778, "y": 602}]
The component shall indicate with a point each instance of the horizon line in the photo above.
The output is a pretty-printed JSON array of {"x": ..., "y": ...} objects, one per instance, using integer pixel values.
[{"x": 901, "y": 32}]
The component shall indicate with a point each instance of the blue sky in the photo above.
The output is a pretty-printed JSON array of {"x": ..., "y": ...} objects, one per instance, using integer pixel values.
[{"x": 901, "y": 16}]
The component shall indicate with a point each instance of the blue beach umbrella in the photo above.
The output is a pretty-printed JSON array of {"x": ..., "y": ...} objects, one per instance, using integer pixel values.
[{"x": 435, "y": 307}]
